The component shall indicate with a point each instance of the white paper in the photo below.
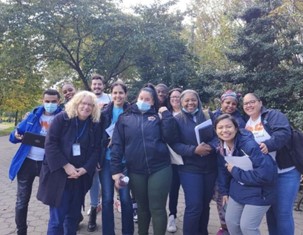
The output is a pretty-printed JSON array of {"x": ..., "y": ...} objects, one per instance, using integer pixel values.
[
  {"x": 174, "y": 157},
  {"x": 242, "y": 162},
  {"x": 201, "y": 126},
  {"x": 110, "y": 130}
]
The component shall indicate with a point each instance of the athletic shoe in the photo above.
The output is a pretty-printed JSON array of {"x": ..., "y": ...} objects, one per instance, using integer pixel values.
[{"x": 171, "y": 225}]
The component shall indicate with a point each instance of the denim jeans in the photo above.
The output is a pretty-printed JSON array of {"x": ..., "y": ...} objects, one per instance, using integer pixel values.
[
  {"x": 25, "y": 178},
  {"x": 174, "y": 191},
  {"x": 108, "y": 226},
  {"x": 65, "y": 218},
  {"x": 280, "y": 219},
  {"x": 151, "y": 193},
  {"x": 198, "y": 192},
  {"x": 95, "y": 190}
]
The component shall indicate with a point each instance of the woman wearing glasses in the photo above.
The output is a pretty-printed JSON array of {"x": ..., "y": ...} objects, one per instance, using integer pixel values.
[{"x": 271, "y": 130}]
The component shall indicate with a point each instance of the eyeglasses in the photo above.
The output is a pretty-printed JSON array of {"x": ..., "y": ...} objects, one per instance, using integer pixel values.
[
  {"x": 87, "y": 104},
  {"x": 250, "y": 102}
]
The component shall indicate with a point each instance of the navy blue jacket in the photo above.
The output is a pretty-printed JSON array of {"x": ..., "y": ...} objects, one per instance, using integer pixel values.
[
  {"x": 278, "y": 127},
  {"x": 257, "y": 185},
  {"x": 141, "y": 138},
  {"x": 237, "y": 115},
  {"x": 30, "y": 124},
  {"x": 58, "y": 152},
  {"x": 186, "y": 144}
]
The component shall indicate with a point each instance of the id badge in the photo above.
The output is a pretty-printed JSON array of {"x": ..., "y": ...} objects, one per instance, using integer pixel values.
[{"x": 76, "y": 150}]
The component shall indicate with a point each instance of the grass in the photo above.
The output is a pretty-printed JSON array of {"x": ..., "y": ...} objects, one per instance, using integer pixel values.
[{"x": 6, "y": 128}]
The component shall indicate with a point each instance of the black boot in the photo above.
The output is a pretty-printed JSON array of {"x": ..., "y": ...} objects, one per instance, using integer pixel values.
[{"x": 91, "y": 227}]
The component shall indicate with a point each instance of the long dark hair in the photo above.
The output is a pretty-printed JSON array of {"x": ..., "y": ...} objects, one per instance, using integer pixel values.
[{"x": 149, "y": 87}]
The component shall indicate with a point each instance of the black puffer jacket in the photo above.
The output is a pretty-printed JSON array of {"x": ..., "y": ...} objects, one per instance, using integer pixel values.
[{"x": 141, "y": 138}]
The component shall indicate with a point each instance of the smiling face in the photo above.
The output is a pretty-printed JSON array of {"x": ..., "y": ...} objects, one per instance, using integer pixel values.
[
  {"x": 252, "y": 106},
  {"x": 68, "y": 91},
  {"x": 97, "y": 87},
  {"x": 118, "y": 96},
  {"x": 174, "y": 100},
  {"x": 226, "y": 130},
  {"x": 85, "y": 108},
  {"x": 229, "y": 105},
  {"x": 189, "y": 102}
]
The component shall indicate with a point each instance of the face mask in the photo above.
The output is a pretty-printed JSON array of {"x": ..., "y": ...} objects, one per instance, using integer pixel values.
[
  {"x": 50, "y": 107},
  {"x": 192, "y": 113},
  {"x": 143, "y": 106}
]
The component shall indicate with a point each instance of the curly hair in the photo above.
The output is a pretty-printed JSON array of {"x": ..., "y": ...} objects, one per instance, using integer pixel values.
[{"x": 72, "y": 106}]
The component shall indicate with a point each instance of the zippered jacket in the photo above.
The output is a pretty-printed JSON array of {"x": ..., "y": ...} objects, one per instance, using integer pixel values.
[
  {"x": 29, "y": 124},
  {"x": 254, "y": 187},
  {"x": 141, "y": 138}
]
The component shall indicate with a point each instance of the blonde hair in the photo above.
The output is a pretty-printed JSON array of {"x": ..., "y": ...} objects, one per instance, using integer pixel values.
[{"x": 71, "y": 107}]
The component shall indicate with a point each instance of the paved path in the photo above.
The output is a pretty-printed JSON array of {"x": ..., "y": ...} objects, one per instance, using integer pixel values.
[{"x": 38, "y": 213}]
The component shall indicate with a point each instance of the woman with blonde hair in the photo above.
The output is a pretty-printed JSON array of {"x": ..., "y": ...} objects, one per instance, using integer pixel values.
[{"x": 72, "y": 149}]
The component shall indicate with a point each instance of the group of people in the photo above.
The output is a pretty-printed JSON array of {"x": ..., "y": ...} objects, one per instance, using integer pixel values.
[{"x": 96, "y": 139}]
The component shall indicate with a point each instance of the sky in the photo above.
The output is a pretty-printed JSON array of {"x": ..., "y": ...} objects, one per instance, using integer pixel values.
[{"x": 129, "y": 3}]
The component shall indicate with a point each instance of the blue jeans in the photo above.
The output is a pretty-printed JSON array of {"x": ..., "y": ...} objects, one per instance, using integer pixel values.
[
  {"x": 95, "y": 190},
  {"x": 25, "y": 178},
  {"x": 108, "y": 226},
  {"x": 280, "y": 219},
  {"x": 65, "y": 218},
  {"x": 198, "y": 192},
  {"x": 174, "y": 191}
]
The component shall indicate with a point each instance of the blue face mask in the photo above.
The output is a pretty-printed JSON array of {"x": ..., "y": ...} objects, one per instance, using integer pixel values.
[
  {"x": 143, "y": 106},
  {"x": 50, "y": 107},
  {"x": 192, "y": 113}
]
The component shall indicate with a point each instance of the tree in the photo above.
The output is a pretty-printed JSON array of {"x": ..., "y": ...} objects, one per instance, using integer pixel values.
[{"x": 269, "y": 54}]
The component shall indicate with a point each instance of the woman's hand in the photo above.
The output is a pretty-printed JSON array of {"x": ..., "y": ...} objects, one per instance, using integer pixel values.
[
  {"x": 224, "y": 200},
  {"x": 203, "y": 149},
  {"x": 81, "y": 171},
  {"x": 229, "y": 166},
  {"x": 116, "y": 178},
  {"x": 18, "y": 136},
  {"x": 71, "y": 171},
  {"x": 263, "y": 148}
]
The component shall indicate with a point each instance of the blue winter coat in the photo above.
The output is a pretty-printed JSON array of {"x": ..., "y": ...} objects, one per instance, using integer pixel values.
[
  {"x": 186, "y": 144},
  {"x": 30, "y": 124},
  {"x": 253, "y": 187},
  {"x": 278, "y": 127},
  {"x": 141, "y": 138}
]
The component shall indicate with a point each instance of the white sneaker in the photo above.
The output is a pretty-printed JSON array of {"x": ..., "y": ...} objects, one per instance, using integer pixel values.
[{"x": 171, "y": 224}]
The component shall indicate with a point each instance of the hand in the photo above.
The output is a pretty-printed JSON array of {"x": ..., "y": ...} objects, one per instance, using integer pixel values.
[
  {"x": 229, "y": 166},
  {"x": 71, "y": 171},
  {"x": 116, "y": 178},
  {"x": 18, "y": 136},
  {"x": 224, "y": 200},
  {"x": 162, "y": 109},
  {"x": 203, "y": 149},
  {"x": 263, "y": 148},
  {"x": 81, "y": 171}
]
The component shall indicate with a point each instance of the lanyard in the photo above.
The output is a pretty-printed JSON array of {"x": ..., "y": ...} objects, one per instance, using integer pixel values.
[{"x": 82, "y": 131}]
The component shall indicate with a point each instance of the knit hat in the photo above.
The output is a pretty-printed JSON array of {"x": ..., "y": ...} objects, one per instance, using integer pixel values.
[{"x": 229, "y": 94}]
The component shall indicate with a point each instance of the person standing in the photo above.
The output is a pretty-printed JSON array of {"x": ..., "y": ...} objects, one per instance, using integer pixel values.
[
  {"x": 72, "y": 150},
  {"x": 140, "y": 137},
  {"x": 97, "y": 87},
  {"x": 109, "y": 117},
  {"x": 229, "y": 103},
  {"x": 271, "y": 130},
  {"x": 247, "y": 193},
  {"x": 26, "y": 164},
  {"x": 199, "y": 172},
  {"x": 174, "y": 106}
]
